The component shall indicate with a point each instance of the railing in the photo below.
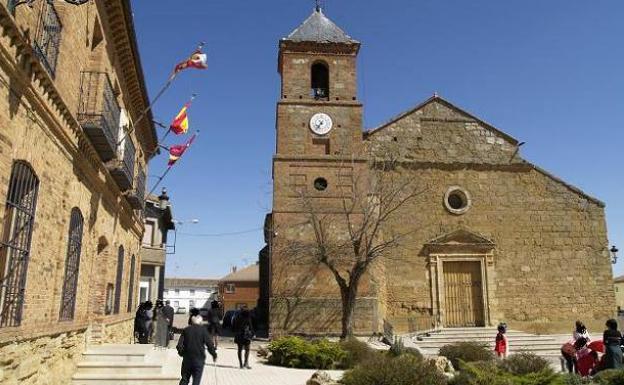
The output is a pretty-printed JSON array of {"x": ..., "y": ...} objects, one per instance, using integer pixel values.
[
  {"x": 129, "y": 154},
  {"x": 140, "y": 187},
  {"x": 99, "y": 112},
  {"x": 48, "y": 36}
]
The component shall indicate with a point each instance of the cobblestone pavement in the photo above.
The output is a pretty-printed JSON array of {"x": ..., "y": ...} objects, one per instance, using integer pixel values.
[{"x": 227, "y": 372}]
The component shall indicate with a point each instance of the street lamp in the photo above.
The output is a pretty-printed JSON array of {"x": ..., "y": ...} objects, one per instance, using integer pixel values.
[
  {"x": 194, "y": 221},
  {"x": 613, "y": 252}
]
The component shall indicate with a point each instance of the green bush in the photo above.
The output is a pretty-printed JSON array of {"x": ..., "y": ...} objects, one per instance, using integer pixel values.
[
  {"x": 467, "y": 352},
  {"x": 405, "y": 369},
  {"x": 610, "y": 377},
  {"x": 357, "y": 352},
  {"x": 524, "y": 363},
  {"x": 574, "y": 379},
  {"x": 295, "y": 352},
  {"x": 490, "y": 373}
]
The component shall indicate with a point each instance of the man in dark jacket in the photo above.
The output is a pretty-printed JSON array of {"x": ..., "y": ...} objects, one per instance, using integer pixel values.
[
  {"x": 169, "y": 313},
  {"x": 194, "y": 338}
]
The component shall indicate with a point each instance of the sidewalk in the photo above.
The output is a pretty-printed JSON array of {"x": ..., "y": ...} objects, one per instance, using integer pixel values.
[{"x": 227, "y": 372}]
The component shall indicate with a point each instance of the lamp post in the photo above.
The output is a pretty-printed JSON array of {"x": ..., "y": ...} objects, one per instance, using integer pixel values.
[
  {"x": 177, "y": 222},
  {"x": 614, "y": 250}
]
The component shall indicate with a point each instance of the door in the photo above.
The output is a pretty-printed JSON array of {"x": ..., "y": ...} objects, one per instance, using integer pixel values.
[{"x": 463, "y": 294}]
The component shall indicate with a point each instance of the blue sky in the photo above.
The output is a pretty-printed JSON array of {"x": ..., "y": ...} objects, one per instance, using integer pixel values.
[{"x": 546, "y": 72}]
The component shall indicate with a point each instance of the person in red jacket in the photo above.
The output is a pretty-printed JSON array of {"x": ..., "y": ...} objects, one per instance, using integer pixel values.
[{"x": 502, "y": 346}]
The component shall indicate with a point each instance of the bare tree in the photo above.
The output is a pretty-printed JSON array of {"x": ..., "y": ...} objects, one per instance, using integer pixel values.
[{"x": 351, "y": 236}]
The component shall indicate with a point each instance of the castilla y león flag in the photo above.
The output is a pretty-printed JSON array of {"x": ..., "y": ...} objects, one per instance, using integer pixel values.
[
  {"x": 176, "y": 151},
  {"x": 197, "y": 60},
  {"x": 180, "y": 122}
]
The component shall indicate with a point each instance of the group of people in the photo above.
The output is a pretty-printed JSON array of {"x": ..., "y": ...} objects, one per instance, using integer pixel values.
[{"x": 154, "y": 324}]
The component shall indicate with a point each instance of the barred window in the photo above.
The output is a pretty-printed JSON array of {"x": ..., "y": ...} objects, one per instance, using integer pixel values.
[
  {"x": 72, "y": 265},
  {"x": 19, "y": 217},
  {"x": 48, "y": 37},
  {"x": 118, "y": 279},
  {"x": 131, "y": 284}
]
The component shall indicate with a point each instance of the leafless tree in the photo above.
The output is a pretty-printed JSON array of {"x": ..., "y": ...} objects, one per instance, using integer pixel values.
[{"x": 364, "y": 227}]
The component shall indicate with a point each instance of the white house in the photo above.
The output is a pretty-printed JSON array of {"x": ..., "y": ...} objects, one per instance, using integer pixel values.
[{"x": 187, "y": 293}]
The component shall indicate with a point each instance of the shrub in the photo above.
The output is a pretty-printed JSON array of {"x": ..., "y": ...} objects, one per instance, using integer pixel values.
[
  {"x": 524, "y": 363},
  {"x": 467, "y": 352},
  {"x": 295, "y": 352},
  {"x": 574, "y": 379},
  {"x": 610, "y": 377},
  {"x": 357, "y": 352},
  {"x": 397, "y": 348},
  {"x": 387, "y": 370},
  {"x": 489, "y": 373}
]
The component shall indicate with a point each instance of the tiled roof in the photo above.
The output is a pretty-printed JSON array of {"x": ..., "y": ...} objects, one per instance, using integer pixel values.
[
  {"x": 619, "y": 279},
  {"x": 247, "y": 274},
  {"x": 318, "y": 28},
  {"x": 171, "y": 283}
]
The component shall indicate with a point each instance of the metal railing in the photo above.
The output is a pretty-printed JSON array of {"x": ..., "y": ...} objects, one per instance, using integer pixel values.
[
  {"x": 140, "y": 186},
  {"x": 48, "y": 37},
  {"x": 129, "y": 155}
]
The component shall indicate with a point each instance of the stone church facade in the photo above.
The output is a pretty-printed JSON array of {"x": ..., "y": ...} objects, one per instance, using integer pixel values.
[
  {"x": 72, "y": 183},
  {"x": 495, "y": 238}
]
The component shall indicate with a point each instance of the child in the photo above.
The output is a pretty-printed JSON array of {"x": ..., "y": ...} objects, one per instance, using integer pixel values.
[{"x": 502, "y": 347}]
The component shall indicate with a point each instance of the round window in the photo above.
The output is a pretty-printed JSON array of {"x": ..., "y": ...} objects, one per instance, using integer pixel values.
[
  {"x": 320, "y": 184},
  {"x": 457, "y": 200}
]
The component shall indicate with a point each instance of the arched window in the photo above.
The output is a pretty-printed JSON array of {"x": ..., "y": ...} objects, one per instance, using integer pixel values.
[
  {"x": 118, "y": 279},
  {"x": 19, "y": 218},
  {"x": 320, "y": 81},
  {"x": 72, "y": 265},
  {"x": 131, "y": 284}
]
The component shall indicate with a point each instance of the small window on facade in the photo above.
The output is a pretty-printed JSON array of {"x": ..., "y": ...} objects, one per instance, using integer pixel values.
[
  {"x": 72, "y": 265},
  {"x": 177, "y": 291},
  {"x": 19, "y": 218},
  {"x": 191, "y": 303},
  {"x": 457, "y": 200},
  {"x": 230, "y": 288},
  {"x": 108, "y": 307},
  {"x": 320, "y": 184},
  {"x": 131, "y": 284},
  {"x": 320, "y": 81},
  {"x": 48, "y": 37},
  {"x": 119, "y": 279},
  {"x": 192, "y": 292}
]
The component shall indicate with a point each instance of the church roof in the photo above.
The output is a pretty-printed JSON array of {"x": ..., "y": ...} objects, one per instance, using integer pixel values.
[{"x": 318, "y": 28}]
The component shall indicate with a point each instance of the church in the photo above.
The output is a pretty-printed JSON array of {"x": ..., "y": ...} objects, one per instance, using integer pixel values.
[{"x": 493, "y": 238}]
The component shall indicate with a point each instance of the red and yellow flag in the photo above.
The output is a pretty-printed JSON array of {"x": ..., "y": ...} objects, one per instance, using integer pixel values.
[
  {"x": 176, "y": 152},
  {"x": 197, "y": 60},
  {"x": 180, "y": 122}
]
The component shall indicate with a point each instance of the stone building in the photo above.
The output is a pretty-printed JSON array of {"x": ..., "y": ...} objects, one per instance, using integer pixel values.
[
  {"x": 158, "y": 222},
  {"x": 491, "y": 238},
  {"x": 72, "y": 183},
  {"x": 240, "y": 287},
  {"x": 618, "y": 286}
]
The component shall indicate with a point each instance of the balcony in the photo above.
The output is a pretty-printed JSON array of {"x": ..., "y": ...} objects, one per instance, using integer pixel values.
[
  {"x": 98, "y": 113},
  {"x": 136, "y": 197},
  {"x": 121, "y": 168}
]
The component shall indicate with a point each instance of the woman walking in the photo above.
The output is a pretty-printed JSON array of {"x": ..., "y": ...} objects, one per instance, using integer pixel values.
[
  {"x": 612, "y": 339},
  {"x": 161, "y": 330},
  {"x": 244, "y": 333},
  {"x": 214, "y": 322}
]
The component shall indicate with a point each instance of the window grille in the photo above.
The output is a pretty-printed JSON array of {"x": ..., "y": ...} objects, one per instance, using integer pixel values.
[
  {"x": 72, "y": 265},
  {"x": 11, "y": 6},
  {"x": 120, "y": 262},
  {"x": 131, "y": 284},
  {"x": 48, "y": 37},
  {"x": 19, "y": 217}
]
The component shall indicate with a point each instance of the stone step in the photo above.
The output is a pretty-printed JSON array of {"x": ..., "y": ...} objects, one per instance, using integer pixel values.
[
  {"x": 125, "y": 379},
  {"x": 537, "y": 345},
  {"x": 95, "y": 367},
  {"x": 485, "y": 338},
  {"x": 95, "y": 356},
  {"x": 121, "y": 348}
]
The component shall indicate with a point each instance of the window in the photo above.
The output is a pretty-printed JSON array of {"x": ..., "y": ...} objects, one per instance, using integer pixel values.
[
  {"x": 131, "y": 283},
  {"x": 148, "y": 235},
  {"x": 48, "y": 37},
  {"x": 176, "y": 304},
  {"x": 72, "y": 265},
  {"x": 230, "y": 288},
  {"x": 457, "y": 200},
  {"x": 320, "y": 184},
  {"x": 177, "y": 291},
  {"x": 320, "y": 81},
  {"x": 108, "y": 307},
  {"x": 118, "y": 279},
  {"x": 192, "y": 292},
  {"x": 19, "y": 217},
  {"x": 192, "y": 303}
]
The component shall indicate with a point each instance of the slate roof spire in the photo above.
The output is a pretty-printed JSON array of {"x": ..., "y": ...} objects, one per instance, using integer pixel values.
[{"x": 318, "y": 28}]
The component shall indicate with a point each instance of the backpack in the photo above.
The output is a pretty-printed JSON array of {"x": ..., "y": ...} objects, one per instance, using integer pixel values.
[{"x": 180, "y": 346}]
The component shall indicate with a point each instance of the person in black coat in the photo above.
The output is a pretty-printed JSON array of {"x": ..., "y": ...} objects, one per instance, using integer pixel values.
[
  {"x": 244, "y": 333},
  {"x": 191, "y": 347},
  {"x": 169, "y": 313},
  {"x": 141, "y": 318}
]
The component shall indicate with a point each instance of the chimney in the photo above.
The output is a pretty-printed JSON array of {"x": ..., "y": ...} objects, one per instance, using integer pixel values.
[{"x": 233, "y": 269}]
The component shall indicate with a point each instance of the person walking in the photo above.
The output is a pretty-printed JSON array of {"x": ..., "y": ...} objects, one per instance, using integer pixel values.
[
  {"x": 161, "y": 330},
  {"x": 501, "y": 346},
  {"x": 191, "y": 346},
  {"x": 140, "y": 324},
  {"x": 214, "y": 322},
  {"x": 612, "y": 339},
  {"x": 169, "y": 314},
  {"x": 149, "y": 317},
  {"x": 244, "y": 333},
  {"x": 580, "y": 331}
]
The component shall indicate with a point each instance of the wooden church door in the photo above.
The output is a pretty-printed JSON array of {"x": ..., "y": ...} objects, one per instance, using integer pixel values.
[{"x": 463, "y": 294}]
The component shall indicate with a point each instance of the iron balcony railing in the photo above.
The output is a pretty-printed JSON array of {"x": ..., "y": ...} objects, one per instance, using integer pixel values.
[
  {"x": 98, "y": 113},
  {"x": 137, "y": 196},
  {"x": 48, "y": 36}
]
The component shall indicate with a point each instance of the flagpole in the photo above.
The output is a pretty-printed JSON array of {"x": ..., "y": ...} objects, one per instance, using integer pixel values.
[
  {"x": 188, "y": 145},
  {"x": 169, "y": 128}
]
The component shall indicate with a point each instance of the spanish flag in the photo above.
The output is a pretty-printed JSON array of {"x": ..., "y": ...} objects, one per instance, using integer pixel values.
[
  {"x": 180, "y": 123},
  {"x": 176, "y": 152},
  {"x": 197, "y": 60}
]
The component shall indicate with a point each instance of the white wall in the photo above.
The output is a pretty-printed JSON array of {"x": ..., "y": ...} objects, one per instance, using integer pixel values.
[{"x": 184, "y": 297}]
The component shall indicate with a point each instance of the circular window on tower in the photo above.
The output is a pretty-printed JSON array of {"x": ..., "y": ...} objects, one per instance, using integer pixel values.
[
  {"x": 457, "y": 200},
  {"x": 320, "y": 184}
]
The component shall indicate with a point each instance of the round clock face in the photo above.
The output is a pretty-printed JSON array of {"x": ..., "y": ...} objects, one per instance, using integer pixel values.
[{"x": 321, "y": 124}]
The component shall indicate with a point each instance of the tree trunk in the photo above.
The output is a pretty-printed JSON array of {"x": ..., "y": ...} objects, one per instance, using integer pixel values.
[{"x": 348, "y": 295}]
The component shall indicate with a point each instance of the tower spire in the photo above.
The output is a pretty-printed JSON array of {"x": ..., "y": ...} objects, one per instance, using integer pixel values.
[{"x": 318, "y": 5}]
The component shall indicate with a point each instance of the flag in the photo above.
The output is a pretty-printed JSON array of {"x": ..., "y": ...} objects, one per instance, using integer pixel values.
[
  {"x": 176, "y": 152},
  {"x": 197, "y": 60},
  {"x": 180, "y": 122}
]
